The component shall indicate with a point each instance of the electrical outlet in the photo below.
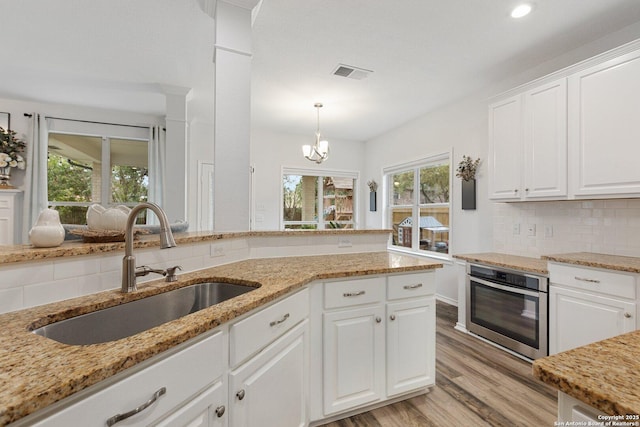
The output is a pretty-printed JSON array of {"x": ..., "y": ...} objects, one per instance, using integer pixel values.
[
  {"x": 531, "y": 230},
  {"x": 548, "y": 231},
  {"x": 217, "y": 251},
  {"x": 516, "y": 228},
  {"x": 344, "y": 243}
]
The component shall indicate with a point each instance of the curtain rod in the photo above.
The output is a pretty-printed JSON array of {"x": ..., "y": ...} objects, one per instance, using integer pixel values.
[{"x": 97, "y": 123}]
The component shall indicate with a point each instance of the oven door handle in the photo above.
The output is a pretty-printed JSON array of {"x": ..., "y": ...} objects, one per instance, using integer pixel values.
[{"x": 505, "y": 288}]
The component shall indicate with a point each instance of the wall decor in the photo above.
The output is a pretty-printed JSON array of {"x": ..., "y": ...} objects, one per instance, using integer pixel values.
[
  {"x": 373, "y": 187},
  {"x": 466, "y": 171},
  {"x": 5, "y": 121}
]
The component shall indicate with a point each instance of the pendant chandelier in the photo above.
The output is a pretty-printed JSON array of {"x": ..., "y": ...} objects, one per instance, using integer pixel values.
[{"x": 318, "y": 152}]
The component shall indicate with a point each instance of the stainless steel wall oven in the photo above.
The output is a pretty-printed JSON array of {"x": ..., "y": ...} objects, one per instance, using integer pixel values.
[{"x": 508, "y": 307}]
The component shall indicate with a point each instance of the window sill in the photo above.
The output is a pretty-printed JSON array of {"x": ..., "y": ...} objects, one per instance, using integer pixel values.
[{"x": 445, "y": 258}]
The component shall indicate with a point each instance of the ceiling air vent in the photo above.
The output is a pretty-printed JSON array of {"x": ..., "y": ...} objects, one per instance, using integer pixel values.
[{"x": 351, "y": 72}]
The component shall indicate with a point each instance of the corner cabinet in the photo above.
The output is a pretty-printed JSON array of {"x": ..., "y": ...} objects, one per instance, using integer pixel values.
[
  {"x": 604, "y": 129},
  {"x": 588, "y": 305},
  {"x": 528, "y": 145},
  {"x": 377, "y": 341}
]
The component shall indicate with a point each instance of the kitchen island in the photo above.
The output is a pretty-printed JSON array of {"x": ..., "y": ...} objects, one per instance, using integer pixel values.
[{"x": 36, "y": 372}]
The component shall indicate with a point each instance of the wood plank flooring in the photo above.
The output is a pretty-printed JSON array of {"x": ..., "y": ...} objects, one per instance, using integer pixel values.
[{"x": 476, "y": 385}]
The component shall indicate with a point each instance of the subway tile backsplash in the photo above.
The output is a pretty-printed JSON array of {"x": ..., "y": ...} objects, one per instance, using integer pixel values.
[{"x": 601, "y": 226}]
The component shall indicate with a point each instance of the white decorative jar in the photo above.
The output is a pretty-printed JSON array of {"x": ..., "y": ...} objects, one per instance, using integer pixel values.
[{"x": 47, "y": 232}]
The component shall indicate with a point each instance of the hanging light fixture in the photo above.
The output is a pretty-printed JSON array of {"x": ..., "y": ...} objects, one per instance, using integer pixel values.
[{"x": 318, "y": 152}]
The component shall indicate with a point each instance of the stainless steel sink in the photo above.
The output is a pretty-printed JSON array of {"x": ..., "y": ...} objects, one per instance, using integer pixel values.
[{"x": 128, "y": 319}]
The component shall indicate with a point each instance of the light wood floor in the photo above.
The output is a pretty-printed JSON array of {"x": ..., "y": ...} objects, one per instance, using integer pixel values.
[{"x": 476, "y": 385}]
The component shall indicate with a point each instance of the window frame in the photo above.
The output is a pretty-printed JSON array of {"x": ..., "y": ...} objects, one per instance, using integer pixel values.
[
  {"x": 415, "y": 166},
  {"x": 285, "y": 170}
]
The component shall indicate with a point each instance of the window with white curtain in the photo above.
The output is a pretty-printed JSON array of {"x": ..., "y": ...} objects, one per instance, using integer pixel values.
[
  {"x": 417, "y": 206},
  {"x": 99, "y": 163}
]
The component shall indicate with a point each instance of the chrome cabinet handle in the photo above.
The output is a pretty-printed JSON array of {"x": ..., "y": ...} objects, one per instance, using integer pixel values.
[
  {"x": 627, "y": 315},
  {"x": 117, "y": 418},
  {"x": 584, "y": 279},
  {"x": 416, "y": 286},
  {"x": 353, "y": 294},
  {"x": 277, "y": 322},
  {"x": 220, "y": 411},
  {"x": 240, "y": 395},
  {"x": 378, "y": 319},
  {"x": 392, "y": 317}
]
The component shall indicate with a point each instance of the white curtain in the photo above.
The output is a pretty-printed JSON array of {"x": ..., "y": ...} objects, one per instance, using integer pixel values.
[
  {"x": 157, "y": 150},
  {"x": 36, "y": 174}
]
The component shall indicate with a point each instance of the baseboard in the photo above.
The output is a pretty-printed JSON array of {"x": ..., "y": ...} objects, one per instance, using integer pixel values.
[
  {"x": 447, "y": 300},
  {"x": 460, "y": 327}
]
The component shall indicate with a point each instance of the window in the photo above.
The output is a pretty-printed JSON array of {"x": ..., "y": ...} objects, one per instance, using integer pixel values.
[
  {"x": 418, "y": 193},
  {"x": 316, "y": 202},
  {"x": 83, "y": 169}
]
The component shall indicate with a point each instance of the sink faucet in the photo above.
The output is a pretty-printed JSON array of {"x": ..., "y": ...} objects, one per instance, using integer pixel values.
[{"x": 129, "y": 261}]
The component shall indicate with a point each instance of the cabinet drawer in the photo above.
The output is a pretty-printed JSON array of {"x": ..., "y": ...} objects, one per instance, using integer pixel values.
[
  {"x": 411, "y": 285},
  {"x": 354, "y": 292},
  {"x": 181, "y": 374},
  {"x": 594, "y": 280},
  {"x": 6, "y": 203},
  {"x": 255, "y": 332}
]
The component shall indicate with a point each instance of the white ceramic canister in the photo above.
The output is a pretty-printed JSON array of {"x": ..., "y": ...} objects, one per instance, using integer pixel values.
[
  {"x": 101, "y": 218},
  {"x": 47, "y": 232}
]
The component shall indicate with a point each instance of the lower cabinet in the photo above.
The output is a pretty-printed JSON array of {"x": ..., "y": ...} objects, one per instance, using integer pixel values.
[
  {"x": 378, "y": 340},
  {"x": 270, "y": 390},
  {"x": 571, "y": 411},
  {"x": 588, "y": 305},
  {"x": 205, "y": 410}
]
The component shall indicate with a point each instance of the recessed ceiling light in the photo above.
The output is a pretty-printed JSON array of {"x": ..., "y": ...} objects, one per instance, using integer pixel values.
[{"x": 520, "y": 11}]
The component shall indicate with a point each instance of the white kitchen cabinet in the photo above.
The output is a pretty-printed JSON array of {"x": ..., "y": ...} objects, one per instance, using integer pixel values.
[
  {"x": 354, "y": 350},
  {"x": 604, "y": 130},
  {"x": 10, "y": 217},
  {"x": 378, "y": 339},
  {"x": 271, "y": 389},
  {"x": 588, "y": 305},
  {"x": 206, "y": 410},
  {"x": 573, "y": 410},
  {"x": 505, "y": 149},
  {"x": 168, "y": 383},
  {"x": 410, "y": 348},
  {"x": 528, "y": 144}
]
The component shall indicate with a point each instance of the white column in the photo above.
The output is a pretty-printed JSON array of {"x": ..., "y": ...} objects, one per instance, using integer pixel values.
[{"x": 232, "y": 115}]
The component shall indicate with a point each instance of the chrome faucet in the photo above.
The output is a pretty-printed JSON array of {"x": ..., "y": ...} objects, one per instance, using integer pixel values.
[{"x": 129, "y": 273}]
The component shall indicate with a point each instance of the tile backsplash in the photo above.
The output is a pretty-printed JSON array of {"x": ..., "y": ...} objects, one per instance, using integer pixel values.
[{"x": 609, "y": 226}]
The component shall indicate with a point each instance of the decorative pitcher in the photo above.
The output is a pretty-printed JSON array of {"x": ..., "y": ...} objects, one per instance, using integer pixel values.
[{"x": 47, "y": 231}]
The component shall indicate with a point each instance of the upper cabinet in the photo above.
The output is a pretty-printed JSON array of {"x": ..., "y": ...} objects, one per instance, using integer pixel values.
[
  {"x": 604, "y": 128},
  {"x": 528, "y": 144},
  {"x": 572, "y": 135}
]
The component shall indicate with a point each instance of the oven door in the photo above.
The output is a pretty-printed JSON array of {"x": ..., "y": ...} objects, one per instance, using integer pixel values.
[{"x": 515, "y": 318}]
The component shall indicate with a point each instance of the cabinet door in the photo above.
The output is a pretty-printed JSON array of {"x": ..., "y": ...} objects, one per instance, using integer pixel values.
[
  {"x": 270, "y": 390},
  {"x": 505, "y": 149},
  {"x": 545, "y": 141},
  {"x": 353, "y": 358},
  {"x": 206, "y": 410},
  {"x": 604, "y": 130},
  {"x": 410, "y": 345},
  {"x": 578, "y": 318}
]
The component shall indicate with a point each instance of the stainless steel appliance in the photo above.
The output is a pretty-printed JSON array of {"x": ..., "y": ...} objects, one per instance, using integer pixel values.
[{"x": 508, "y": 307}]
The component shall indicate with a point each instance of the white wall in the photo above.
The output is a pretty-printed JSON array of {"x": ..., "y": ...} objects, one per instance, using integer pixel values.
[{"x": 271, "y": 151}]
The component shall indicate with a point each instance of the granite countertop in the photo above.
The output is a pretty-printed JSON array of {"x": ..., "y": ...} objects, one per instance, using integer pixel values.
[
  {"x": 20, "y": 253},
  {"x": 529, "y": 264},
  {"x": 36, "y": 372},
  {"x": 589, "y": 259},
  {"x": 604, "y": 374}
]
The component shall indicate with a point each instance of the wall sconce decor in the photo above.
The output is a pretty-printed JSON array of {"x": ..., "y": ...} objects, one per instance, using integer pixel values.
[
  {"x": 466, "y": 171},
  {"x": 373, "y": 187}
]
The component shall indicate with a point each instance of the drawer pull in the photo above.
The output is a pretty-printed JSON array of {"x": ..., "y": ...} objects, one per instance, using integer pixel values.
[
  {"x": 584, "y": 279},
  {"x": 416, "y": 286},
  {"x": 392, "y": 317},
  {"x": 240, "y": 395},
  {"x": 353, "y": 294},
  {"x": 627, "y": 315},
  {"x": 378, "y": 319},
  {"x": 220, "y": 411},
  {"x": 117, "y": 418},
  {"x": 277, "y": 322}
]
